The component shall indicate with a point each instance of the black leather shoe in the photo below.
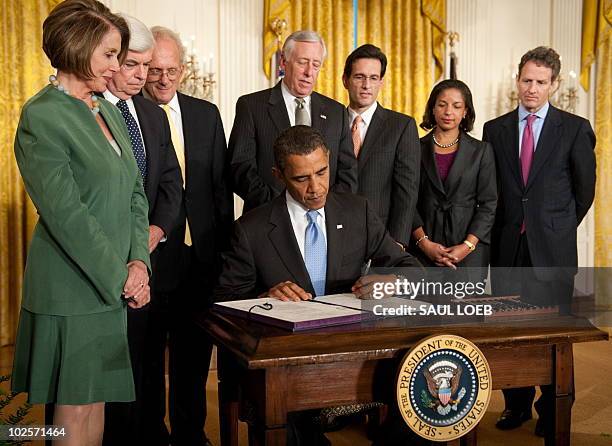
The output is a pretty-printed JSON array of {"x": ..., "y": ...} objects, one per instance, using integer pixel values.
[{"x": 511, "y": 419}]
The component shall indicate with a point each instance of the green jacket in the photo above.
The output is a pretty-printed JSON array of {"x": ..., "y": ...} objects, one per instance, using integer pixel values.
[{"x": 91, "y": 202}]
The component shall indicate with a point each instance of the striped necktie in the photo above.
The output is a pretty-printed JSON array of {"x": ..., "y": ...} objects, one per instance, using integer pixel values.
[{"x": 356, "y": 134}]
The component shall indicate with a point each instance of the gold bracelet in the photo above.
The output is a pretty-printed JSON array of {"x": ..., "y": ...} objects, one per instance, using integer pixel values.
[{"x": 470, "y": 245}]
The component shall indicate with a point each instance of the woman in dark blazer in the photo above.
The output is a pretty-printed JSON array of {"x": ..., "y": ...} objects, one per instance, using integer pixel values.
[{"x": 458, "y": 192}]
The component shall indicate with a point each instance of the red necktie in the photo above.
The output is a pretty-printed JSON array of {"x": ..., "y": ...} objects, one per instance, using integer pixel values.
[{"x": 527, "y": 146}]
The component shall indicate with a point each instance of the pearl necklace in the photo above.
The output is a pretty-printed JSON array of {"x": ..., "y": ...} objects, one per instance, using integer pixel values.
[
  {"x": 445, "y": 146},
  {"x": 95, "y": 109}
]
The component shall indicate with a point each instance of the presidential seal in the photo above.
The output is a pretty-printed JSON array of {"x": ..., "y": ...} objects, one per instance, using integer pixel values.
[{"x": 443, "y": 387}]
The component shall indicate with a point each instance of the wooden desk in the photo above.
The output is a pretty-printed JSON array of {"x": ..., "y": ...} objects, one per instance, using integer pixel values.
[{"x": 279, "y": 372}]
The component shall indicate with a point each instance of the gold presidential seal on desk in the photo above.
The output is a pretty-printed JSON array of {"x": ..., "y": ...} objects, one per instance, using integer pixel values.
[{"x": 443, "y": 387}]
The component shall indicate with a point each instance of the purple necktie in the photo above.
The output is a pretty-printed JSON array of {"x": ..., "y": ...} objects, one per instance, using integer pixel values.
[{"x": 527, "y": 146}]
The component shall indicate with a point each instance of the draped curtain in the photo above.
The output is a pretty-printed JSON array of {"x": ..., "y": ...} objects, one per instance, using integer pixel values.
[
  {"x": 597, "y": 48},
  {"x": 410, "y": 32},
  {"x": 25, "y": 71},
  {"x": 333, "y": 19}
]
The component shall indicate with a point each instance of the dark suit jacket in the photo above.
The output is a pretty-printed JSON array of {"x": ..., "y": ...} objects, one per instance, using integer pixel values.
[
  {"x": 389, "y": 166},
  {"x": 559, "y": 191},
  {"x": 265, "y": 251},
  {"x": 260, "y": 118},
  {"x": 207, "y": 200},
  {"x": 463, "y": 204},
  {"x": 164, "y": 186}
]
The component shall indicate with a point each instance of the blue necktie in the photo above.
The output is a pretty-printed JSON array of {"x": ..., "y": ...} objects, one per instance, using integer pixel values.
[
  {"x": 315, "y": 253},
  {"x": 137, "y": 144}
]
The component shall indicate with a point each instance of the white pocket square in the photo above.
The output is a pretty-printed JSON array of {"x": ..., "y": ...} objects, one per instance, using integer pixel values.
[
  {"x": 338, "y": 226},
  {"x": 323, "y": 117}
]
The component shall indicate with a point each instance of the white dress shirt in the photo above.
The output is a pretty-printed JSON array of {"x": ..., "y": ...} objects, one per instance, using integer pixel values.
[
  {"x": 114, "y": 99},
  {"x": 366, "y": 119},
  {"x": 291, "y": 105},
  {"x": 299, "y": 221}
]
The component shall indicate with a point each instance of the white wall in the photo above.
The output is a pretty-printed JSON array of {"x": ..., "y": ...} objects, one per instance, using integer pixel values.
[{"x": 494, "y": 34}]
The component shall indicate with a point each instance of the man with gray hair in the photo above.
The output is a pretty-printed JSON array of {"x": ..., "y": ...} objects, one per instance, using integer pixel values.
[
  {"x": 188, "y": 267},
  {"x": 262, "y": 116},
  {"x": 152, "y": 146}
]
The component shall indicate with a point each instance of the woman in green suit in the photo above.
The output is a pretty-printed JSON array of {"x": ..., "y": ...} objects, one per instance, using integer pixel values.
[{"x": 88, "y": 257}]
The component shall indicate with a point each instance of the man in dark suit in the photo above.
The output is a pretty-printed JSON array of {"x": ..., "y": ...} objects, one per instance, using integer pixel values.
[
  {"x": 274, "y": 249},
  {"x": 262, "y": 116},
  {"x": 386, "y": 144},
  {"x": 188, "y": 266},
  {"x": 306, "y": 242},
  {"x": 546, "y": 178},
  {"x": 150, "y": 137}
]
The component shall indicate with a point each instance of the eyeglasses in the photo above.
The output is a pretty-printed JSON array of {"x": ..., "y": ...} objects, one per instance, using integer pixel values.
[
  {"x": 157, "y": 73},
  {"x": 362, "y": 78}
]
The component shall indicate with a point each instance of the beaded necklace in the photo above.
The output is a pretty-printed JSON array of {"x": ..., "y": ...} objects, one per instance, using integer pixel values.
[{"x": 95, "y": 109}]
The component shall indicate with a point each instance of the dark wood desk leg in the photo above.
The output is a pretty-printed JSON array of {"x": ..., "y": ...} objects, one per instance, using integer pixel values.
[
  {"x": 229, "y": 393},
  {"x": 228, "y": 414},
  {"x": 470, "y": 439},
  {"x": 564, "y": 396},
  {"x": 271, "y": 428}
]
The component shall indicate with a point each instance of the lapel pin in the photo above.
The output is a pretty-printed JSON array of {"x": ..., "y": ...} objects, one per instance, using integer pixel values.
[
  {"x": 323, "y": 117},
  {"x": 338, "y": 226}
]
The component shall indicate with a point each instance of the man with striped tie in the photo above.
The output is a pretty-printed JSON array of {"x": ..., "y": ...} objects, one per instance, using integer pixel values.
[
  {"x": 189, "y": 264},
  {"x": 152, "y": 147}
]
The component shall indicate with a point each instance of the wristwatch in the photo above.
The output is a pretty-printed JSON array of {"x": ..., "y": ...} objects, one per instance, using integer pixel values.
[{"x": 470, "y": 245}]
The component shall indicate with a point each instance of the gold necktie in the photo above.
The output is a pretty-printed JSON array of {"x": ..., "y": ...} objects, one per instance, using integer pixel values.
[{"x": 180, "y": 155}]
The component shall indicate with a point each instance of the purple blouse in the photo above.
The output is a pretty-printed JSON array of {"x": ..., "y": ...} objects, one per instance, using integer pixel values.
[{"x": 444, "y": 161}]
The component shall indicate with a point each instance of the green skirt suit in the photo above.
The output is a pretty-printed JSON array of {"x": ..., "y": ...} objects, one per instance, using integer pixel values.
[{"x": 71, "y": 345}]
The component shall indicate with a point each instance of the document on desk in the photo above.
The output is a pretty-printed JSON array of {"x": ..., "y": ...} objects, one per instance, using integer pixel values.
[{"x": 324, "y": 311}]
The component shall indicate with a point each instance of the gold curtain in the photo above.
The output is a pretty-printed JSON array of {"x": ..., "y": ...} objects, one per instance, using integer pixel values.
[
  {"x": 333, "y": 19},
  {"x": 273, "y": 9},
  {"x": 25, "y": 71},
  {"x": 411, "y": 34},
  {"x": 603, "y": 130}
]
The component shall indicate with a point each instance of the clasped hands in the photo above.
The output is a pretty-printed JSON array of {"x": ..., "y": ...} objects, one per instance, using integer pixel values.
[
  {"x": 136, "y": 288},
  {"x": 443, "y": 256},
  {"x": 363, "y": 288}
]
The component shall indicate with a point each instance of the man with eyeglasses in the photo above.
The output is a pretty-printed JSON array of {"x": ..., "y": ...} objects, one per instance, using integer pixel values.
[
  {"x": 152, "y": 147},
  {"x": 386, "y": 144},
  {"x": 188, "y": 266},
  {"x": 262, "y": 116}
]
